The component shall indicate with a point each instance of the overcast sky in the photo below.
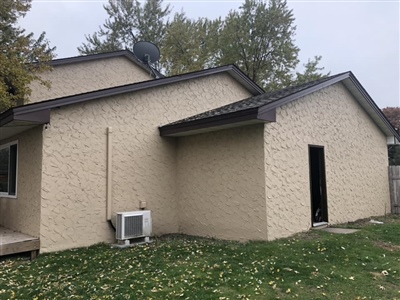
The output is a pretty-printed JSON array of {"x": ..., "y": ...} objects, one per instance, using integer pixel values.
[{"x": 351, "y": 35}]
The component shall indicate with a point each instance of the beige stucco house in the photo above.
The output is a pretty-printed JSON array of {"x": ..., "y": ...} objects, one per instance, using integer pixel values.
[{"x": 208, "y": 153}]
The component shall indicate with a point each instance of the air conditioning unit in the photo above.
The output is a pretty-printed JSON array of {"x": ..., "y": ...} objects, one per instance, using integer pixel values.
[{"x": 133, "y": 224}]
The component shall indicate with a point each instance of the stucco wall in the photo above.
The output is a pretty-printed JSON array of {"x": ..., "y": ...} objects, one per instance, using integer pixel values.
[
  {"x": 221, "y": 184},
  {"x": 144, "y": 164},
  {"x": 23, "y": 212},
  {"x": 76, "y": 78},
  {"x": 355, "y": 157}
]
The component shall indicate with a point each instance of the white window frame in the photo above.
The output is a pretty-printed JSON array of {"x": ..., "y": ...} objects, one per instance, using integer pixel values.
[{"x": 4, "y": 146}]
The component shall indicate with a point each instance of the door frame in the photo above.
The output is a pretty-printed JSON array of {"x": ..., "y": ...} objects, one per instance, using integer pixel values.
[{"x": 324, "y": 200}]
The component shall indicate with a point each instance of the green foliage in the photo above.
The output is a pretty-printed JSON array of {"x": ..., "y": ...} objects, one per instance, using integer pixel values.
[
  {"x": 258, "y": 38},
  {"x": 312, "y": 265},
  {"x": 311, "y": 71},
  {"x": 189, "y": 45},
  {"x": 394, "y": 155},
  {"x": 22, "y": 57},
  {"x": 393, "y": 115},
  {"x": 129, "y": 21}
]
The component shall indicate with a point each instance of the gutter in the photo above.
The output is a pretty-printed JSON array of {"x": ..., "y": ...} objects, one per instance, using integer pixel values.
[{"x": 247, "y": 115}]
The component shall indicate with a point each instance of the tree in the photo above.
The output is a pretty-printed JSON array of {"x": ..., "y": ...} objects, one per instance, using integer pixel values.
[
  {"x": 311, "y": 71},
  {"x": 129, "y": 21},
  {"x": 393, "y": 115},
  {"x": 189, "y": 45},
  {"x": 259, "y": 39},
  {"x": 22, "y": 57}
]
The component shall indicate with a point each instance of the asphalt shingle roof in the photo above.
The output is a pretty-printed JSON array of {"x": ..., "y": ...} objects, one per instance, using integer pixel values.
[{"x": 255, "y": 101}]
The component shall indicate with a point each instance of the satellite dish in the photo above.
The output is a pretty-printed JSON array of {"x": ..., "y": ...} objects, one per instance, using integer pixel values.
[{"x": 146, "y": 52}]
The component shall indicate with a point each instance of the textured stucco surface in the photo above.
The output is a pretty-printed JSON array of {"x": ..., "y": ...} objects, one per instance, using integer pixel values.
[
  {"x": 221, "y": 184},
  {"x": 23, "y": 212},
  {"x": 144, "y": 164},
  {"x": 355, "y": 157},
  {"x": 76, "y": 78}
]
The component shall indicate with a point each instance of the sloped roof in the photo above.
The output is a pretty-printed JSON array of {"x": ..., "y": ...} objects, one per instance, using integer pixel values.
[
  {"x": 261, "y": 108},
  {"x": 39, "y": 113},
  {"x": 90, "y": 57},
  {"x": 253, "y": 102}
]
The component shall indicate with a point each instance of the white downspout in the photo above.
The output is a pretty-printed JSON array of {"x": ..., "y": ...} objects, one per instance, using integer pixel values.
[{"x": 109, "y": 172}]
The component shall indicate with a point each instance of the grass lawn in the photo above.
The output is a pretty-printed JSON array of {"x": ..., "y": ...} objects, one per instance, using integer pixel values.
[{"x": 313, "y": 265}]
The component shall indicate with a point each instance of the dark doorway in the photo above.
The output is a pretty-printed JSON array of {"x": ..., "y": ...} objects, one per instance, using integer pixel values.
[{"x": 319, "y": 203}]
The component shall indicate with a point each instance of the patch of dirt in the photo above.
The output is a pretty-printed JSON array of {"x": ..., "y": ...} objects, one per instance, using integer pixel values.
[
  {"x": 377, "y": 274},
  {"x": 388, "y": 246},
  {"x": 388, "y": 219},
  {"x": 307, "y": 235}
]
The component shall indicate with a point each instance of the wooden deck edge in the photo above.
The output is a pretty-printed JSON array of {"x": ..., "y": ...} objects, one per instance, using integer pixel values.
[{"x": 18, "y": 247}]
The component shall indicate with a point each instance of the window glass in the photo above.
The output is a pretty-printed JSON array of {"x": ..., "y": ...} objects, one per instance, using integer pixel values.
[
  {"x": 8, "y": 169},
  {"x": 4, "y": 163},
  {"x": 12, "y": 180}
]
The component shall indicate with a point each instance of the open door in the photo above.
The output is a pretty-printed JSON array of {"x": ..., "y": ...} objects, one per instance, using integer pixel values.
[{"x": 319, "y": 202}]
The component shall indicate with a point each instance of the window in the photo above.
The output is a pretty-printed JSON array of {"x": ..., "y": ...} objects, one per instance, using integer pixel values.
[{"x": 8, "y": 169}]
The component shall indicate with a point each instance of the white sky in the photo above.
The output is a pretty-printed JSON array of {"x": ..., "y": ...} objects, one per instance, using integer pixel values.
[{"x": 358, "y": 36}]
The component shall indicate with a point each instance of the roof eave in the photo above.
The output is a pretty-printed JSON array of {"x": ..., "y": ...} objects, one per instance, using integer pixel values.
[
  {"x": 235, "y": 119},
  {"x": 90, "y": 57},
  {"x": 305, "y": 92},
  {"x": 251, "y": 86},
  {"x": 388, "y": 129},
  {"x": 385, "y": 126},
  {"x": 75, "y": 99},
  {"x": 17, "y": 114}
]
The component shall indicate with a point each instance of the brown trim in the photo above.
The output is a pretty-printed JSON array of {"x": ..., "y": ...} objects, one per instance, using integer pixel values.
[
  {"x": 214, "y": 121},
  {"x": 91, "y": 57},
  {"x": 373, "y": 105},
  {"x": 271, "y": 107},
  {"x": 305, "y": 92},
  {"x": 269, "y": 115},
  {"x": 8, "y": 115},
  {"x": 48, "y": 104},
  {"x": 40, "y": 117},
  {"x": 251, "y": 114}
]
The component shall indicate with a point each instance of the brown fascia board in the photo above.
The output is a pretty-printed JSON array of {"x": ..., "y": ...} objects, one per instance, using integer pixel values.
[
  {"x": 59, "y": 102},
  {"x": 13, "y": 114},
  {"x": 243, "y": 78},
  {"x": 268, "y": 112},
  {"x": 40, "y": 117},
  {"x": 251, "y": 114},
  {"x": 305, "y": 92},
  {"x": 90, "y": 57},
  {"x": 373, "y": 105},
  {"x": 6, "y": 117},
  {"x": 348, "y": 75}
]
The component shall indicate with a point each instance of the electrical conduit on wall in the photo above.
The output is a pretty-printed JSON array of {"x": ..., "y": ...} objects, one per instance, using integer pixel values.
[{"x": 109, "y": 175}]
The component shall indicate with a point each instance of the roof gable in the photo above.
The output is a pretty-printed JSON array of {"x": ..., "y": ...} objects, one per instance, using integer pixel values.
[
  {"x": 82, "y": 74},
  {"x": 39, "y": 112},
  {"x": 92, "y": 57},
  {"x": 262, "y": 108}
]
